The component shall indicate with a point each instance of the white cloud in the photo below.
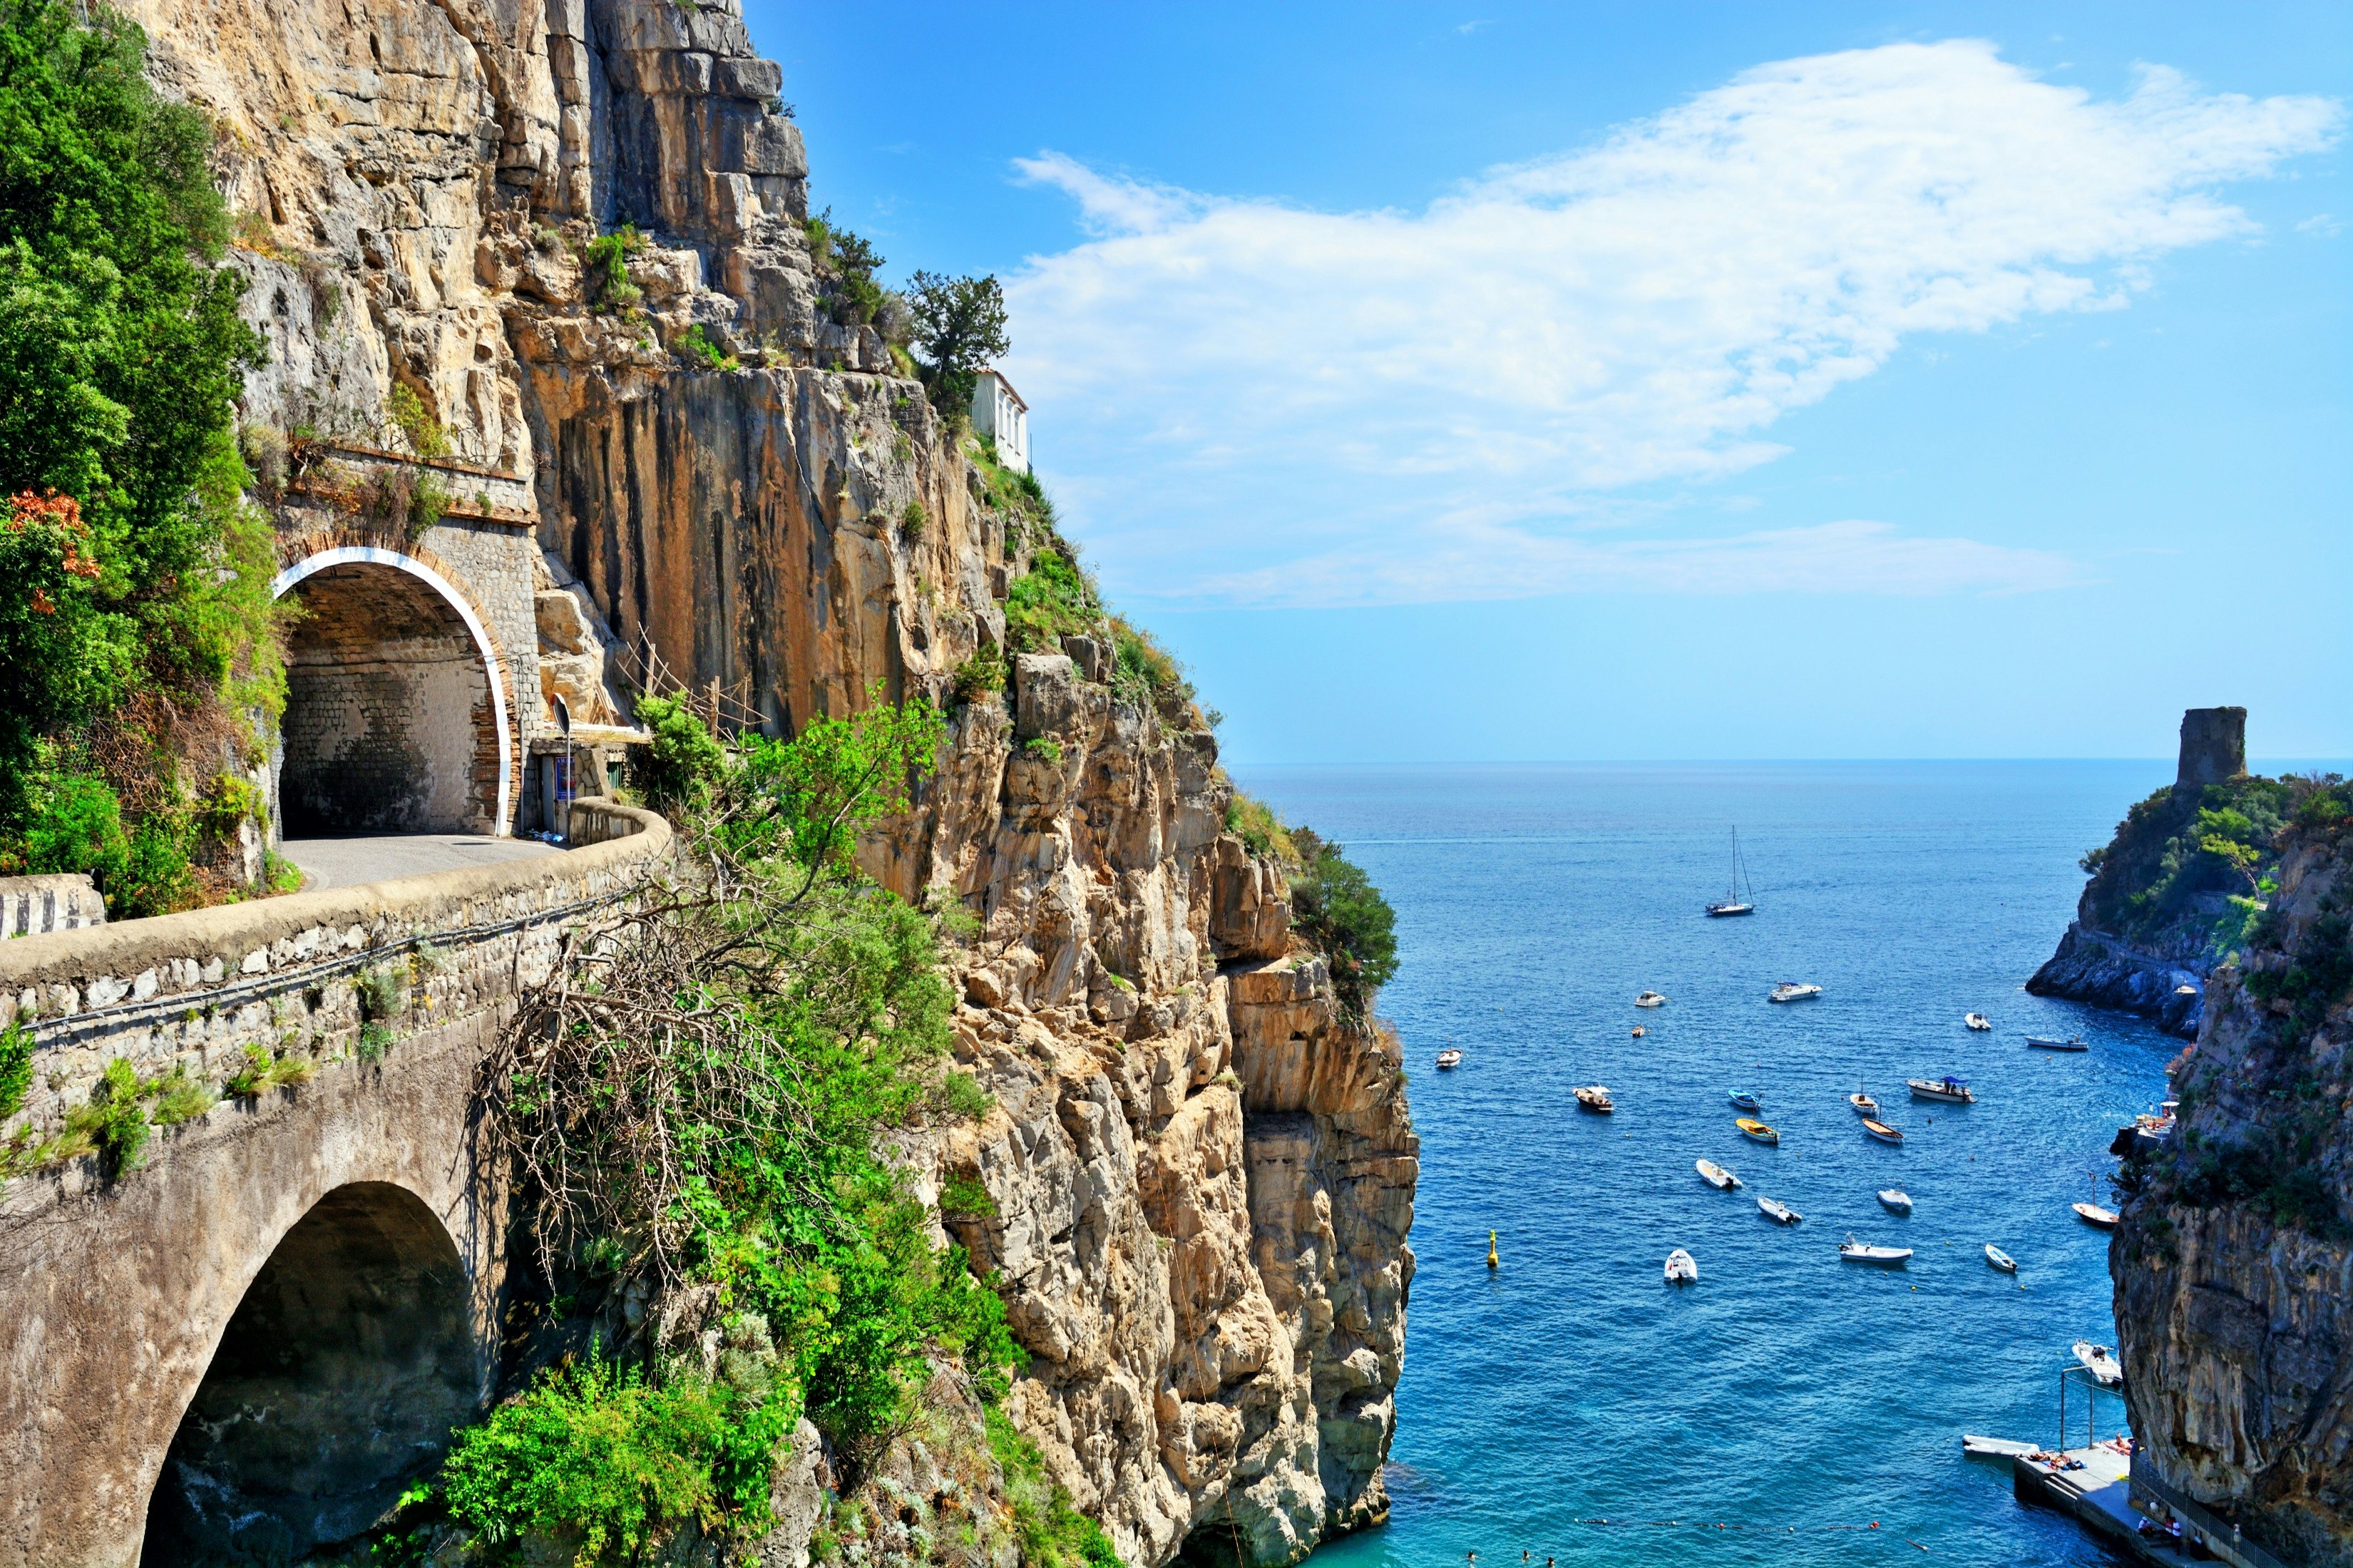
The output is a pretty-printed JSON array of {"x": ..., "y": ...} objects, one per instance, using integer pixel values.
[{"x": 1387, "y": 405}]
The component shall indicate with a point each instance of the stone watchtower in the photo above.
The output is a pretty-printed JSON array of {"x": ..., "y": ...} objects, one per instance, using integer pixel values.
[{"x": 2213, "y": 747}]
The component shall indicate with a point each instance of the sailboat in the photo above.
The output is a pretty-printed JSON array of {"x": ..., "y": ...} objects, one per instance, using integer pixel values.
[{"x": 1734, "y": 903}]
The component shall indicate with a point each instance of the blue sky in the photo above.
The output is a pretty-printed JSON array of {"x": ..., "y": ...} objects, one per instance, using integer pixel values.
[{"x": 1513, "y": 383}]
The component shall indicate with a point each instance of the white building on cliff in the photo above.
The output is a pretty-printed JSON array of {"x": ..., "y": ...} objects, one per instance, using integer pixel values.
[{"x": 998, "y": 412}]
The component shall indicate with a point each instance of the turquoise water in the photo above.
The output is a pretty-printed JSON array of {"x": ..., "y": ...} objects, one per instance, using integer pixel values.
[{"x": 1788, "y": 1393}]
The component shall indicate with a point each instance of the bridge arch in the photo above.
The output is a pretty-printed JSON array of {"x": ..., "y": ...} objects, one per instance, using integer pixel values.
[
  {"x": 395, "y": 706},
  {"x": 335, "y": 1382}
]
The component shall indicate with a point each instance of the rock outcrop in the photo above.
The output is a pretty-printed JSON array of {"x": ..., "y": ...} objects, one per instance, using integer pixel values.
[
  {"x": 2233, "y": 1262},
  {"x": 572, "y": 231}
]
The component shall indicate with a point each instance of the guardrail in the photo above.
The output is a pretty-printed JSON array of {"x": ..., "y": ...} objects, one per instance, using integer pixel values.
[{"x": 2221, "y": 1538}]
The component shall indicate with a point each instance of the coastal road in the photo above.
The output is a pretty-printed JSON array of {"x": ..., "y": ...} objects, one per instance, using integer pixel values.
[{"x": 348, "y": 861}]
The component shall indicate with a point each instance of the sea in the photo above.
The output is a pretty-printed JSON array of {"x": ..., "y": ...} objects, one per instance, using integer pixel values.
[{"x": 1790, "y": 1407}]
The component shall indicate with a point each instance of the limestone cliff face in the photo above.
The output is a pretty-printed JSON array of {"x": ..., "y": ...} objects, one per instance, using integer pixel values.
[
  {"x": 1199, "y": 1175},
  {"x": 2233, "y": 1264}
]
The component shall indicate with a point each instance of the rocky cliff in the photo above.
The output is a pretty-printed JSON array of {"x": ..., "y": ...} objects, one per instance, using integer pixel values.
[
  {"x": 2233, "y": 1264},
  {"x": 1199, "y": 1175},
  {"x": 2174, "y": 892}
]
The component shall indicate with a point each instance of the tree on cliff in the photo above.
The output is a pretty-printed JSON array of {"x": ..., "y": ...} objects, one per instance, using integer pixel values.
[
  {"x": 959, "y": 325},
  {"x": 134, "y": 597}
]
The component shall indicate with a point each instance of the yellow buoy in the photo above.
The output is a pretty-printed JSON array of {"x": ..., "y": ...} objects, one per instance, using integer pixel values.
[{"x": 1492, "y": 1260}]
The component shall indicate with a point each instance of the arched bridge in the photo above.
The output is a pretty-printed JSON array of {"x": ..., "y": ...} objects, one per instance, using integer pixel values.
[{"x": 242, "y": 1349}]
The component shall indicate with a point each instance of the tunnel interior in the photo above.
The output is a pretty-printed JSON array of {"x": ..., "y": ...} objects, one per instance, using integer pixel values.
[
  {"x": 337, "y": 1382},
  {"x": 388, "y": 725}
]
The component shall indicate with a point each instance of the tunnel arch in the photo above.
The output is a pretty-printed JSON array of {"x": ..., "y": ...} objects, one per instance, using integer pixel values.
[
  {"x": 393, "y": 651},
  {"x": 336, "y": 1382}
]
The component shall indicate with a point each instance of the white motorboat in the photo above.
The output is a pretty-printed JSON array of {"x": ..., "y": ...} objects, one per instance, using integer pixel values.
[
  {"x": 1650, "y": 999},
  {"x": 2101, "y": 1363},
  {"x": 1778, "y": 1212},
  {"x": 1450, "y": 1059},
  {"x": 1715, "y": 1175},
  {"x": 1682, "y": 1268},
  {"x": 1793, "y": 991},
  {"x": 1863, "y": 1104},
  {"x": 1977, "y": 1021},
  {"x": 1895, "y": 1200},
  {"x": 1997, "y": 1448},
  {"x": 2093, "y": 1214},
  {"x": 2001, "y": 1260},
  {"x": 1948, "y": 1089},
  {"x": 1595, "y": 1099},
  {"x": 2044, "y": 1043},
  {"x": 1854, "y": 1251}
]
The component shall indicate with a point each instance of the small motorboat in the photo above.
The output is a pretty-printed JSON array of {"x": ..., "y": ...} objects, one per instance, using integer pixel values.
[
  {"x": 1881, "y": 1130},
  {"x": 1854, "y": 1251},
  {"x": 1745, "y": 1100},
  {"x": 1793, "y": 991},
  {"x": 1640, "y": 1031},
  {"x": 1595, "y": 1099},
  {"x": 1895, "y": 1200},
  {"x": 1997, "y": 1448},
  {"x": 1449, "y": 1059},
  {"x": 1682, "y": 1268},
  {"x": 1650, "y": 999},
  {"x": 1715, "y": 1175},
  {"x": 2071, "y": 1042},
  {"x": 1778, "y": 1212},
  {"x": 2093, "y": 1214},
  {"x": 2001, "y": 1260},
  {"x": 1864, "y": 1103},
  {"x": 1977, "y": 1021},
  {"x": 1948, "y": 1089},
  {"x": 1755, "y": 1130},
  {"x": 2101, "y": 1363}
]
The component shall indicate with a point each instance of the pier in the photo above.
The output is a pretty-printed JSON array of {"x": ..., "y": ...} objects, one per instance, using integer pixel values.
[{"x": 2131, "y": 1512}]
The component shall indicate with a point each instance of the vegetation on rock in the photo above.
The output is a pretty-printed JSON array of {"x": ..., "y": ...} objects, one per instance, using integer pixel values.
[
  {"x": 2194, "y": 870},
  {"x": 1334, "y": 904}
]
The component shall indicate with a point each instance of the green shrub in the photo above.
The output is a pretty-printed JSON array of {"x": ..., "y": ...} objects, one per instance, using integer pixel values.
[
  {"x": 696, "y": 343},
  {"x": 911, "y": 520},
  {"x": 982, "y": 675},
  {"x": 1335, "y": 906},
  {"x": 1052, "y": 1534},
  {"x": 115, "y": 1121},
  {"x": 958, "y": 326},
  {"x": 609, "y": 1464},
  {"x": 1260, "y": 829},
  {"x": 606, "y": 273},
  {"x": 1050, "y": 601},
  {"x": 1144, "y": 674},
  {"x": 677, "y": 767},
  {"x": 1043, "y": 749},
  {"x": 373, "y": 1041},
  {"x": 382, "y": 990},
  {"x": 76, "y": 824},
  {"x": 415, "y": 424},
  {"x": 15, "y": 1067}
]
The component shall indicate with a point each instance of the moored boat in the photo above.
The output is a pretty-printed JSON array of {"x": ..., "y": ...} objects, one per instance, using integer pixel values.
[
  {"x": 1753, "y": 1129},
  {"x": 1948, "y": 1089},
  {"x": 2001, "y": 1260},
  {"x": 1745, "y": 1100},
  {"x": 1650, "y": 999},
  {"x": 1449, "y": 1058},
  {"x": 1977, "y": 1021},
  {"x": 1595, "y": 1099},
  {"x": 2071, "y": 1042},
  {"x": 1715, "y": 1175},
  {"x": 2094, "y": 1213},
  {"x": 1864, "y": 1103},
  {"x": 1881, "y": 1130},
  {"x": 1778, "y": 1212},
  {"x": 1793, "y": 991},
  {"x": 2101, "y": 1363},
  {"x": 1895, "y": 1200},
  {"x": 1640, "y": 1031},
  {"x": 1854, "y": 1251},
  {"x": 1682, "y": 1268},
  {"x": 1734, "y": 903}
]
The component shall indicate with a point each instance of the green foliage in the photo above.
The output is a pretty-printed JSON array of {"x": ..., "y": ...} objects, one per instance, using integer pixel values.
[
  {"x": 382, "y": 990},
  {"x": 982, "y": 675},
  {"x": 73, "y": 822},
  {"x": 607, "y": 1462},
  {"x": 912, "y": 519},
  {"x": 374, "y": 1040},
  {"x": 806, "y": 799},
  {"x": 1050, "y": 601},
  {"x": 114, "y": 1120},
  {"x": 15, "y": 1067},
  {"x": 958, "y": 326},
  {"x": 606, "y": 271},
  {"x": 2171, "y": 857},
  {"x": 264, "y": 1070},
  {"x": 1260, "y": 829},
  {"x": 124, "y": 562},
  {"x": 1043, "y": 749},
  {"x": 1335, "y": 906},
  {"x": 415, "y": 423},
  {"x": 699, "y": 344},
  {"x": 844, "y": 265},
  {"x": 1146, "y": 675},
  {"x": 1052, "y": 1534},
  {"x": 678, "y": 768}
]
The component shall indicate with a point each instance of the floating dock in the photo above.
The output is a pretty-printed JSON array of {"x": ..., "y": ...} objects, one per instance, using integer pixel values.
[{"x": 2115, "y": 1504}]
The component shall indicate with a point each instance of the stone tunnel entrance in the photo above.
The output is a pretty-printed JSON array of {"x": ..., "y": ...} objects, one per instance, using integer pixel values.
[
  {"x": 336, "y": 1383},
  {"x": 396, "y": 718}
]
